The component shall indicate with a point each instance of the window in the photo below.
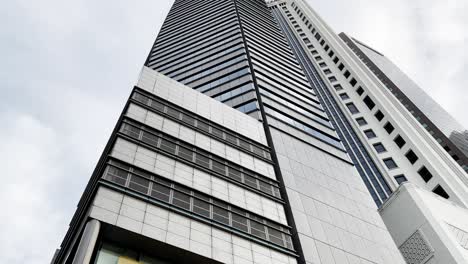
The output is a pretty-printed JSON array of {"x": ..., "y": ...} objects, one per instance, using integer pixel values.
[
  {"x": 331, "y": 53},
  {"x": 368, "y": 101},
  {"x": 379, "y": 147},
  {"x": 352, "y": 108},
  {"x": 361, "y": 121},
  {"x": 411, "y": 156},
  {"x": 332, "y": 79},
  {"x": 306, "y": 40},
  {"x": 441, "y": 192},
  {"x": 379, "y": 115},
  {"x": 400, "y": 179},
  {"x": 314, "y": 52},
  {"x": 326, "y": 48},
  {"x": 323, "y": 64},
  {"x": 399, "y": 141},
  {"x": 359, "y": 90},
  {"x": 344, "y": 96},
  {"x": 327, "y": 71},
  {"x": 338, "y": 87},
  {"x": 335, "y": 60},
  {"x": 389, "y": 128},
  {"x": 390, "y": 163},
  {"x": 318, "y": 58},
  {"x": 341, "y": 66},
  {"x": 370, "y": 133},
  {"x": 425, "y": 174},
  {"x": 353, "y": 82},
  {"x": 322, "y": 42},
  {"x": 347, "y": 74},
  {"x": 310, "y": 46}
]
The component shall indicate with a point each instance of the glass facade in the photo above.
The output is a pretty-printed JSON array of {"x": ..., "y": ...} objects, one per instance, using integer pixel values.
[{"x": 366, "y": 167}]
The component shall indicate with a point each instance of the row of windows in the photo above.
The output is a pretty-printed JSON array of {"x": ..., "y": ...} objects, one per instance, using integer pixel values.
[
  {"x": 198, "y": 203},
  {"x": 207, "y": 127},
  {"x": 202, "y": 158},
  {"x": 227, "y": 95},
  {"x": 204, "y": 72},
  {"x": 309, "y": 130},
  {"x": 389, "y": 128},
  {"x": 223, "y": 80},
  {"x": 425, "y": 174},
  {"x": 247, "y": 107},
  {"x": 371, "y": 176}
]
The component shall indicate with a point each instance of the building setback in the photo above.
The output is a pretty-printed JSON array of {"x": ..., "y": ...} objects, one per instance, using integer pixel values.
[{"x": 240, "y": 143}]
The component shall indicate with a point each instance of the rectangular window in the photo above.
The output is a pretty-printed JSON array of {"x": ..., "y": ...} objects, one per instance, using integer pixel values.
[
  {"x": 344, "y": 96},
  {"x": 160, "y": 192},
  {"x": 399, "y": 141},
  {"x": 359, "y": 90},
  {"x": 441, "y": 192},
  {"x": 331, "y": 53},
  {"x": 370, "y": 133},
  {"x": 425, "y": 174},
  {"x": 335, "y": 60},
  {"x": 379, "y": 115},
  {"x": 347, "y": 74},
  {"x": 338, "y": 87},
  {"x": 379, "y": 147},
  {"x": 368, "y": 101},
  {"x": 389, "y": 128},
  {"x": 341, "y": 66},
  {"x": 361, "y": 121},
  {"x": 168, "y": 146},
  {"x": 326, "y": 48},
  {"x": 201, "y": 205},
  {"x": 220, "y": 212},
  {"x": 314, "y": 52},
  {"x": 390, "y": 163},
  {"x": 332, "y": 79},
  {"x": 323, "y": 64},
  {"x": 318, "y": 58},
  {"x": 353, "y": 82},
  {"x": 411, "y": 156},
  {"x": 322, "y": 42},
  {"x": 400, "y": 179},
  {"x": 352, "y": 108},
  {"x": 327, "y": 71}
]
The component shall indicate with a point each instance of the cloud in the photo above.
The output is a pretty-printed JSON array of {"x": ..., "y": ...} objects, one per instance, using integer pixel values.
[
  {"x": 68, "y": 67},
  {"x": 426, "y": 39}
]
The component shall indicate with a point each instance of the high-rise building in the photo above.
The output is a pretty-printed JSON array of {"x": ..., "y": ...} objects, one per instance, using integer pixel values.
[{"x": 242, "y": 142}]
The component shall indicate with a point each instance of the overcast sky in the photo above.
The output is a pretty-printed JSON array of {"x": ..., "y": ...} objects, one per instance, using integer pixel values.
[{"x": 68, "y": 67}]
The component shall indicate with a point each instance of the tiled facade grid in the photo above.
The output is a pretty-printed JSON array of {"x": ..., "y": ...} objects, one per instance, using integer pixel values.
[
  {"x": 179, "y": 172},
  {"x": 160, "y": 224},
  {"x": 335, "y": 216},
  {"x": 191, "y": 136},
  {"x": 201, "y": 104}
]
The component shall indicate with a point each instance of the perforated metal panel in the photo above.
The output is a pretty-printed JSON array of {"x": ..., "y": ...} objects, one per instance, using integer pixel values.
[{"x": 416, "y": 249}]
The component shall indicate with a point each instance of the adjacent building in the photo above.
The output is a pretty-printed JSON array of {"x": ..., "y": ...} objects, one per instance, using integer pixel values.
[{"x": 247, "y": 139}]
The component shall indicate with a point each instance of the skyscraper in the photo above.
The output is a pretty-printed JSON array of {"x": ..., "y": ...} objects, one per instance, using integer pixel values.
[{"x": 233, "y": 147}]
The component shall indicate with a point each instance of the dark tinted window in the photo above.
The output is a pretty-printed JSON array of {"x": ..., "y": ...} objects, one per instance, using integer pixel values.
[
  {"x": 390, "y": 163},
  {"x": 440, "y": 191},
  {"x": 361, "y": 121},
  {"x": 379, "y": 115},
  {"x": 425, "y": 174},
  {"x": 400, "y": 179},
  {"x": 370, "y": 133},
  {"x": 389, "y": 128},
  {"x": 379, "y": 147},
  {"x": 368, "y": 101},
  {"x": 359, "y": 90},
  {"x": 411, "y": 156},
  {"x": 399, "y": 141},
  {"x": 352, "y": 108}
]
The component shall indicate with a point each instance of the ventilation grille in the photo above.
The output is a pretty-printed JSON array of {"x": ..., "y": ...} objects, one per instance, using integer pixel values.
[{"x": 415, "y": 249}]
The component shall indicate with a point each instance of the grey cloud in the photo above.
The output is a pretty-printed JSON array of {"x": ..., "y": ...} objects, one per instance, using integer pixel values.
[{"x": 68, "y": 67}]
